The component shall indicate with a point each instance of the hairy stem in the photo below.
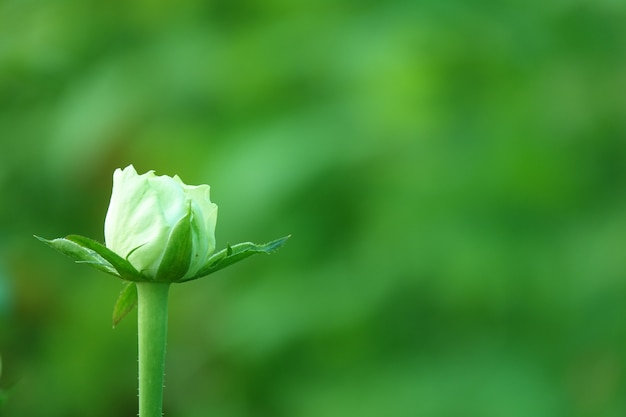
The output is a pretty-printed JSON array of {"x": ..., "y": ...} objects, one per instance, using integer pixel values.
[{"x": 152, "y": 335}]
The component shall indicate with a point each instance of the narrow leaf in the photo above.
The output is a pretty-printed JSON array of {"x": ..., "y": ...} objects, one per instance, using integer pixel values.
[
  {"x": 80, "y": 254},
  {"x": 234, "y": 254},
  {"x": 122, "y": 266},
  {"x": 125, "y": 302}
]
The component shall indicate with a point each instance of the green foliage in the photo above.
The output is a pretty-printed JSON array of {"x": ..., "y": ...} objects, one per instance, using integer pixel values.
[
  {"x": 87, "y": 251},
  {"x": 235, "y": 253}
]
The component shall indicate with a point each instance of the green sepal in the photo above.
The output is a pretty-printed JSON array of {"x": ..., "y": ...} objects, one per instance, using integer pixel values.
[
  {"x": 126, "y": 270},
  {"x": 80, "y": 254},
  {"x": 235, "y": 253},
  {"x": 125, "y": 303},
  {"x": 177, "y": 257},
  {"x": 95, "y": 254}
]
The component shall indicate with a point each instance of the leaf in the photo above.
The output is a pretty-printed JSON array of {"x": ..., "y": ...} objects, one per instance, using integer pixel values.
[
  {"x": 124, "y": 268},
  {"x": 234, "y": 254},
  {"x": 96, "y": 255},
  {"x": 80, "y": 254},
  {"x": 125, "y": 302}
]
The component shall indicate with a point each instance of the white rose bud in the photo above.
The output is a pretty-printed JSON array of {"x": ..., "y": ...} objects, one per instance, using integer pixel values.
[{"x": 163, "y": 227}]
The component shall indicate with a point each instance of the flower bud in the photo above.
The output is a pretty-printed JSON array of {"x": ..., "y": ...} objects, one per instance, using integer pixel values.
[{"x": 163, "y": 227}]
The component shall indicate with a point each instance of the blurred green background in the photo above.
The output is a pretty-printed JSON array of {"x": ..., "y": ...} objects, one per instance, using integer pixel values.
[{"x": 453, "y": 174}]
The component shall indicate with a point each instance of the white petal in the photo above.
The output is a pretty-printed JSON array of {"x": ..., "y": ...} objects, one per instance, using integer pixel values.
[{"x": 134, "y": 220}]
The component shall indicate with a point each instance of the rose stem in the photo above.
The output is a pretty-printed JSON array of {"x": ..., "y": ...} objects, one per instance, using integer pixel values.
[{"x": 152, "y": 335}]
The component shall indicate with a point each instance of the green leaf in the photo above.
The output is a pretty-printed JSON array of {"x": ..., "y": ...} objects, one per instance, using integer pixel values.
[
  {"x": 80, "y": 254},
  {"x": 124, "y": 268},
  {"x": 234, "y": 254},
  {"x": 125, "y": 302},
  {"x": 96, "y": 255},
  {"x": 177, "y": 257}
]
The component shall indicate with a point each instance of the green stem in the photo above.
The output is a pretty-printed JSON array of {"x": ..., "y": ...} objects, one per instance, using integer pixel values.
[{"x": 152, "y": 335}]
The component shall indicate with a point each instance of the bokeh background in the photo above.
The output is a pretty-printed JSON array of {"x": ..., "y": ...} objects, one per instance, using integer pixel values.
[{"x": 453, "y": 174}]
